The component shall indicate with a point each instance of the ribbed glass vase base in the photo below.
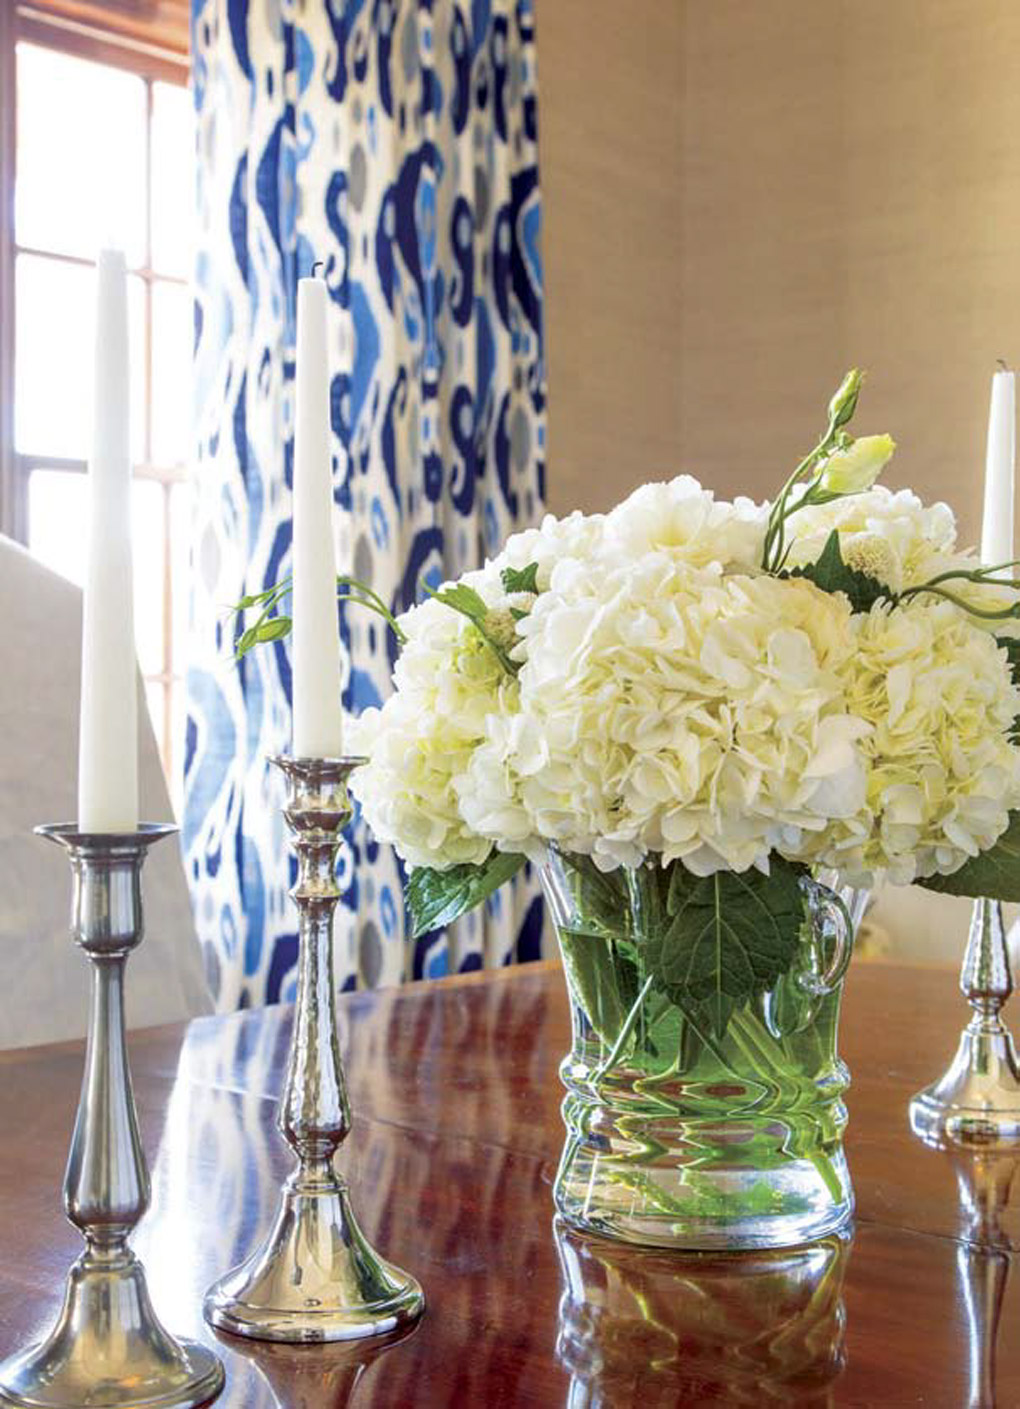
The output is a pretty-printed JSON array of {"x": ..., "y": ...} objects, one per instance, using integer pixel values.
[{"x": 660, "y": 1204}]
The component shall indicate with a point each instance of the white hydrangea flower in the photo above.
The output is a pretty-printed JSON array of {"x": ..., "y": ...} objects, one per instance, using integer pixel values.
[
  {"x": 673, "y": 701},
  {"x": 448, "y": 683},
  {"x": 914, "y": 533},
  {"x": 576, "y": 536},
  {"x": 690, "y": 524},
  {"x": 672, "y": 710},
  {"x": 942, "y": 775}
]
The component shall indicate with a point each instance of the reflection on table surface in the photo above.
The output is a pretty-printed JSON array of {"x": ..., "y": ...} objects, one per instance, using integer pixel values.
[
  {"x": 451, "y": 1160},
  {"x": 637, "y": 1326}
]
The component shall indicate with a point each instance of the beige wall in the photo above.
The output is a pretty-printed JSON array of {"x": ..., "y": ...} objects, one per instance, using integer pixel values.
[
  {"x": 610, "y": 79},
  {"x": 743, "y": 199}
]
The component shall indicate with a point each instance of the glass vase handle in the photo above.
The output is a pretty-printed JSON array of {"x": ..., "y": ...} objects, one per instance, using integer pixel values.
[{"x": 831, "y": 928}]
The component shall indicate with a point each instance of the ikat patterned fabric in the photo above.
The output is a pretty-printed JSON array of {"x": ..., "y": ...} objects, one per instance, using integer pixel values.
[{"x": 395, "y": 141}]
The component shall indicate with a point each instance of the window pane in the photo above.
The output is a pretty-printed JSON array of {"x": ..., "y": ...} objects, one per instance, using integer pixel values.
[
  {"x": 175, "y": 764},
  {"x": 81, "y": 155},
  {"x": 181, "y": 504},
  {"x": 172, "y": 335},
  {"x": 58, "y": 514},
  {"x": 55, "y": 322},
  {"x": 155, "y": 699},
  {"x": 173, "y": 184},
  {"x": 147, "y": 547}
]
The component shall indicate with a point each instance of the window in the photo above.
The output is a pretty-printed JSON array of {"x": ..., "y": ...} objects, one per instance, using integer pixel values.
[{"x": 103, "y": 154}]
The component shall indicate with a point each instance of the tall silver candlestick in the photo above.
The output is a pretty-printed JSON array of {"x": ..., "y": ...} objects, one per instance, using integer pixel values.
[
  {"x": 315, "y": 1277},
  {"x": 108, "y": 1349},
  {"x": 977, "y": 1100}
]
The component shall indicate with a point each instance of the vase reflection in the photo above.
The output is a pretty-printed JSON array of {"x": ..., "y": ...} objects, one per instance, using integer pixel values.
[{"x": 640, "y": 1327}]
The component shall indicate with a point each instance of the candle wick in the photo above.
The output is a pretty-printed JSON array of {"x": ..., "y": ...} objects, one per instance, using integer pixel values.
[
  {"x": 1003, "y": 363},
  {"x": 321, "y": 264}
]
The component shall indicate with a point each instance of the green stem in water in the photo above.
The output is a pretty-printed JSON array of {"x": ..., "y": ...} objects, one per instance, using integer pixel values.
[
  {"x": 759, "y": 1046},
  {"x": 606, "y": 1066}
]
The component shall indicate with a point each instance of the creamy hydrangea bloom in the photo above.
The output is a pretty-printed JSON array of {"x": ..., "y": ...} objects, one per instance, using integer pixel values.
[
  {"x": 687, "y": 522},
  {"x": 942, "y": 775},
  {"x": 902, "y": 542},
  {"x": 576, "y": 536},
  {"x": 672, "y": 710},
  {"x": 448, "y": 682},
  {"x": 673, "y": 700},
  {"x": 914, "y": 534}
]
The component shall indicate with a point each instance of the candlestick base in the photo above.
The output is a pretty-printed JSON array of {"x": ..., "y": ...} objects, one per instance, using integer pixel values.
[
  {"x": 316, "y": 1278},
  {"x": 977, "y": 1100},
  {"x": 108, "y": 1350}
]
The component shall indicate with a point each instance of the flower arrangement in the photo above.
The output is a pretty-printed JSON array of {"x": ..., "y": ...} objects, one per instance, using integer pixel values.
[
  {"x": 820, "y": 683},
  {"x": 691, "y": 713}
]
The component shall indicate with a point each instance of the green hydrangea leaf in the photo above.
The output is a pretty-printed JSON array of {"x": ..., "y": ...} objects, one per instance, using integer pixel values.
[
  {"x": 437, "y": 898},
  {"x": 994, "y": 875},
  {"x": 463, "y": 599},
  {"x": 603, "y": 976},
  {"x": 724, "y": 939},
  {"x": 521, "y": 579},
  {"x": 1011, "y": 645},
  {"x": 831, "y": 574}
]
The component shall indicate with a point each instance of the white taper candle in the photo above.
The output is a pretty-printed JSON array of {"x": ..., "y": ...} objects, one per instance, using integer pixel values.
[
  {"x": 1000, "y": 460},
  {"x": 108, "y": 734},
  {"x": 318, "y": 722}
]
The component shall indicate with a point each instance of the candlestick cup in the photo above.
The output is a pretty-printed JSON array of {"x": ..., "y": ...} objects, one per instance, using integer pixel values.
[
  {"x": 315, "y": 1278},
  {"x": 108, "y": 1349},
  {"x": 977, "y": 1100}
]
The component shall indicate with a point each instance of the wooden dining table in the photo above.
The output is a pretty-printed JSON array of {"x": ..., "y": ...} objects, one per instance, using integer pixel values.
[{"x": 451, "y": 1161}]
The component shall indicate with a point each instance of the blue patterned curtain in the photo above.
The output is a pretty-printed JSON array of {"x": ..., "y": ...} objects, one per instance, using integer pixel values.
[{"x": 395, "y": 141}]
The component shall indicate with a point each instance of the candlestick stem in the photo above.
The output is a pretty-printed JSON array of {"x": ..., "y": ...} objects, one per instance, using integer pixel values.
[
  {"x": 977, "y": 1100},
  {"x": 108, "y": 1348},
  {"x": 315, "y": 1278}
]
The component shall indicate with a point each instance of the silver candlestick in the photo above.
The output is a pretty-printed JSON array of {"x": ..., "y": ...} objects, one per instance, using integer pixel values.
[
  {"x": 108, "y": 1349},
  {"x": 315, "y": 1277},
  {"x": 977, "y": 1101}
]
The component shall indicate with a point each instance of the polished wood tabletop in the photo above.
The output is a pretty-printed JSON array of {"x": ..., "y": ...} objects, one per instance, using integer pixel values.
[{"x": 451, "y": 1160}]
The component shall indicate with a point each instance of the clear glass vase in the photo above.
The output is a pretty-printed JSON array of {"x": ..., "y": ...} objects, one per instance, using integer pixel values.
[{"x": 679, "y": 1135}]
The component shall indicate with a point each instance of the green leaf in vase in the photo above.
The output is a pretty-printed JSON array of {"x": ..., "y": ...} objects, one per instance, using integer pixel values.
[
  {"x": 601, "y": 897},
  {"x": 437, "y": 898},
  {"x": 604, "y": 980},
  {"x": 994, "y": 875},
  {"x": 724, "y": 939}
]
